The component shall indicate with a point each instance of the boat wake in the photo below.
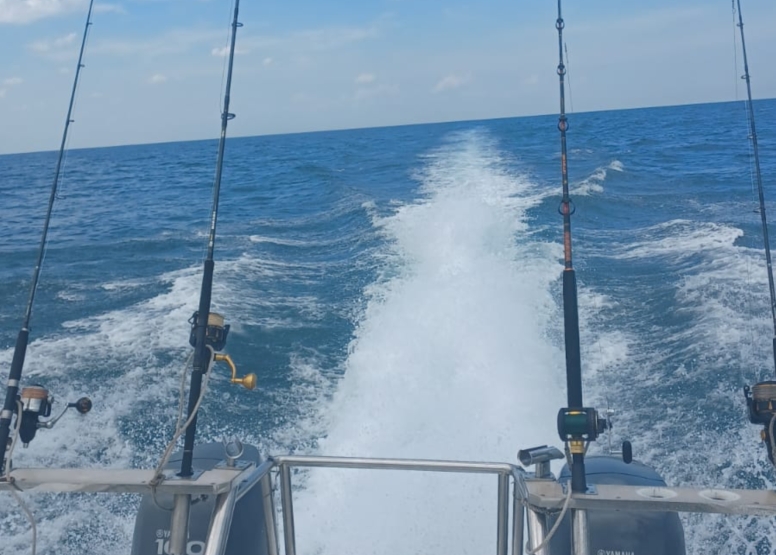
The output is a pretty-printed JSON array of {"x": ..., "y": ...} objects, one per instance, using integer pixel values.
[{"x": 453, "y": 358}]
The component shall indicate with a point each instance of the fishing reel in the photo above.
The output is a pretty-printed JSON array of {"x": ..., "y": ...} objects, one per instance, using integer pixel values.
[
  {"x": 36, "y": 404},
  {"x": 579, "y": 426},
  {"x": 215, "y": 337},
  {"x": 761, "y": 404},
  {"x": 215, "y": 331}
]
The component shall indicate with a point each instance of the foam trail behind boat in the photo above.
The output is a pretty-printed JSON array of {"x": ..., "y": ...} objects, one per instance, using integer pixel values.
[{"x": 451, "y": 360}]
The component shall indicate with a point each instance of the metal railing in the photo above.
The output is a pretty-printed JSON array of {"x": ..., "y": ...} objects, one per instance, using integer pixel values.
[
  {"x": 532, "y": 499},
  {"x": 504, "y": 471}
]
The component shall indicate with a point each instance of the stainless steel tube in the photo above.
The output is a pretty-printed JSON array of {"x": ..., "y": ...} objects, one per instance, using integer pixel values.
[
  {"x": 249, "y": 480},
  {"x": 517, "y": 521},
  {"x": 220, "y": 523},
  {"x": 502, "y": 519},
  {"x": 580, "y": 536},
  {"x": 270, "y": 522},
  {"x": 179, "y": 524},
  {"x": 288, "y": 509},
  {"x": 396, "y": 464},
  {"x": 537, "y": 530}
]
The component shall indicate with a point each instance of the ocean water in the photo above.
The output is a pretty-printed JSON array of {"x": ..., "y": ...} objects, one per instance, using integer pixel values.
[{"x": 397, "y": 291}]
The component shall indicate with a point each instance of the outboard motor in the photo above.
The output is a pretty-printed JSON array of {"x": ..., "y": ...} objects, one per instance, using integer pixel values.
[
  {"x": 247, "y": 535},
  {"x": 622, "y": 532}
]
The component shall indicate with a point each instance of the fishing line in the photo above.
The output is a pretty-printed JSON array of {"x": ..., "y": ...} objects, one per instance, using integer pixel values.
[
  {"x": 77, "y": 95},
  {"x": 22, "y": 340},
  {"x": 158, "y": 472},
  {"x": 557, "y": 524},
  {"x": 15, "y": 489},
  {"x": 224, "y": 65},
  {"x": 28, "y": 513},
  {"x": 736, "y": 78},
  {"x": 748, "y": 300},
  {"x": 225, "y": 57},
  {"x": 735, "y": 51},
  {"x": 568, "y": 76},
  {"x": 8, "y": 459},
  {"x": 182, "y": 390},
  {"x": 758, "y": 175}
]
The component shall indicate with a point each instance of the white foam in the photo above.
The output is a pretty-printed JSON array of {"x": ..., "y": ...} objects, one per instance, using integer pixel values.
[
  {"x": 122, "y": 359},
  {"x": 678, "y": 393},
  {"x": 616, "y": 165},
  {"x": 680, "y": 238},
  {"x": 594, "y": 182},
  {"x": 71, "y": 296},
  {"x": 450, "y": 360},
  {"x": 125, "y": 284},
  {"x": 279, "y": 241}
]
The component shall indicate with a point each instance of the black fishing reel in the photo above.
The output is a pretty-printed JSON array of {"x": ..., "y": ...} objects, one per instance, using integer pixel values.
[
  {"x": 36, "y": 404},
  {"x": 580, "y": 424},
  {"x": 215, "y": 332},
  {"x": 761, "y": 403}
]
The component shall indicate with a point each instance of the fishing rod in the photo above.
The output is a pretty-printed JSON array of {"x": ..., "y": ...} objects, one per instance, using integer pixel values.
[
  {"x": 577, "y": 425},
  {"x": 760, "y": 398},
  {"x": 759, "y": 178},
  {"x": 20, "y": 350},
  {"x": 208, "y": 331}
]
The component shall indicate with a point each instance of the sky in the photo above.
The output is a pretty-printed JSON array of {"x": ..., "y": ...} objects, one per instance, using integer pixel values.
[{"x": 154, "y": 68}]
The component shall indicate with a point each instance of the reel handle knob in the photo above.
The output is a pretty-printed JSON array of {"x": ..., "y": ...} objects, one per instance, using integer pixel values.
[
  {"x": 248, "y": 382},
  {"x": 82, "y": 405}
]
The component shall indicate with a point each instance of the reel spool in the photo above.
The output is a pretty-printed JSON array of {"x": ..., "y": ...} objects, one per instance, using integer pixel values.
[{"x": 761, "y": 403}]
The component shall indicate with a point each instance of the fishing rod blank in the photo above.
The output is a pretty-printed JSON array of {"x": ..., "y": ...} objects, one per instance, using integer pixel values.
[
  {"x": 577, "y": 425},
  {"x": 208, "y": 329},
  {"x": 20, "y": 350},
  {"x": 759, "y": 179}
]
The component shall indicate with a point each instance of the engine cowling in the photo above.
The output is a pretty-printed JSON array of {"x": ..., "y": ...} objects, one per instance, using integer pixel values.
[
  {"x": 247, "y": 534},
  {"x": 622, "y": 532}
]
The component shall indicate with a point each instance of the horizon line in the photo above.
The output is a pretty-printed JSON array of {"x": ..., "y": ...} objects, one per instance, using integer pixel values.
[{"x": 412, "y": 124}]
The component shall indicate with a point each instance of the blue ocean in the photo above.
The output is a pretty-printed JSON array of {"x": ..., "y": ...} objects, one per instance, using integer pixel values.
[{"x": 397, "y": 292}]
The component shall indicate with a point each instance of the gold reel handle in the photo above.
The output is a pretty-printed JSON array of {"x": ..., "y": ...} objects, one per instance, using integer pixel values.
[{"x": 248, "y": 382}]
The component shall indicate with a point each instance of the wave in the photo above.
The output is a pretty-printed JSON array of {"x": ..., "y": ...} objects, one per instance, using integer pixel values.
[{"x": 594, "y": 182}]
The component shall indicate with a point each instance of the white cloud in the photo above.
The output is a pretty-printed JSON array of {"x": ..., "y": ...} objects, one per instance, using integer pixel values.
[
  {"x": 43, "y": 46},
  {"x": 2, "y": 93},
  {"x": 267, "y": 62},
  {"x": 157, "y": 78},
  {"x": 27, "y": 11},
  {"x": 450, "y": 82},
  {"x": 109, "y": 8},
  {"x": 12, "y": 81},
  {"x": 366, "y": 78},
  {"x": 174, "y": 41},
  {"x": 223, "y": 51}
]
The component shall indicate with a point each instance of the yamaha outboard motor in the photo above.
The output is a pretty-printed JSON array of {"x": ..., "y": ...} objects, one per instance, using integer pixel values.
[
  {"x": 622, "y": 532},
  {"x": 247, "y": 535}
]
